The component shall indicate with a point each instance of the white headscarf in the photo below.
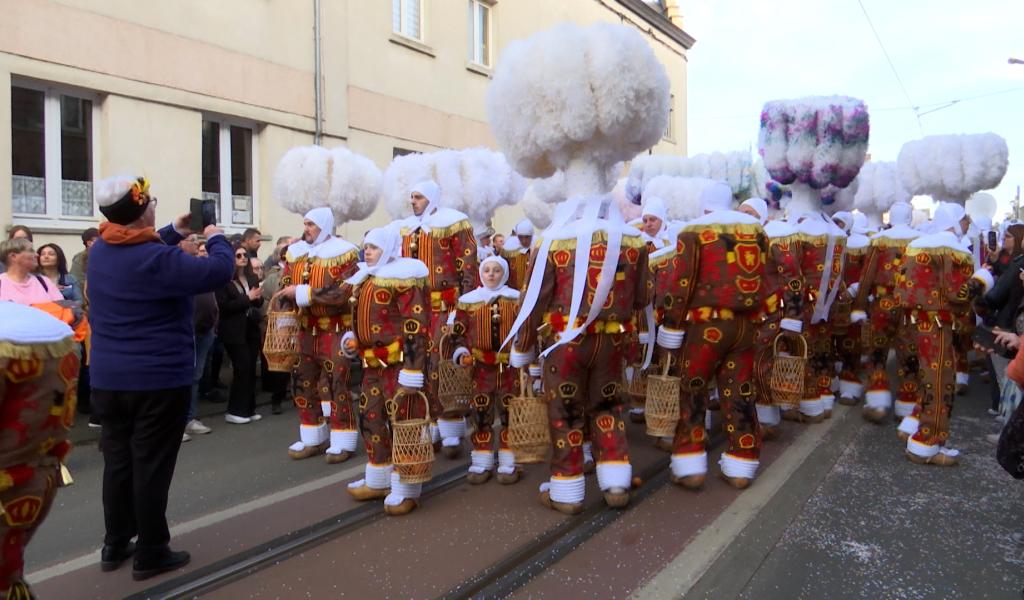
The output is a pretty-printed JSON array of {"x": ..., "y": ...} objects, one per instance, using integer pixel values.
[
  {"x": 390, "y": 244},
  {"x": 846, "y": 217},
  {"x": 486, "y": 294},
  {"x": 655, "y": 207},
  {"x": 524, "y": 227},
  {"x": 715, "y": 197},
  {"x": 948, "y": 216},
  {"x": 901, "y": 213},
  {"x": 759, "y": 206},
  {"x": 324, "y": 219},
  {"x": 432, "y": 192},
  {"x": 860, "y": 224}
]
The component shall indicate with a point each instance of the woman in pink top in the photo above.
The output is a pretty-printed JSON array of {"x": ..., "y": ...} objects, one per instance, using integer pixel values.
[{"x": 19, "y": 283}]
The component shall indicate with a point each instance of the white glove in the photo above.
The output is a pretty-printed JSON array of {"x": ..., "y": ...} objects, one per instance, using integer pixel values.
[
  {"x": 520, "y": 359},
  {"x": 535, "y": 370},
  {"x": 857, "y": 316},
  {"x": 853, "y": 288},
  {"x": 670, "y": 339},
  {"x": 459, "y": 353},
  {"x": 794, "y": 325}
]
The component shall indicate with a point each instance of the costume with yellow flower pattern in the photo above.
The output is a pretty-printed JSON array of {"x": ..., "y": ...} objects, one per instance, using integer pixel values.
[
  {"x": 715, "y": 304},
  {"x": 37, "y": 394},
  {"x": 320, "y": 379}
]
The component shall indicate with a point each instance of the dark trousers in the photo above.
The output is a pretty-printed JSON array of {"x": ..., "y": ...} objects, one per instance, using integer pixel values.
[
  {"x": 140, "y": 440},
  {"x": 242, "y": 398},
  {"x": 84, "y": 389}
]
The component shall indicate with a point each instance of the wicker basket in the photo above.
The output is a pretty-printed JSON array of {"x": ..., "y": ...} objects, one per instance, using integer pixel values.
[
  {"x": 788, "y": 371},
  {"x": 636, "y": 387},
  {"x": 662, "y": 408},
  {"x": 529, "y": 431},
  {"x": 454, "y": 382},
  {"x": 412, "y": 451},
  {"x": 281, "y": 343}
]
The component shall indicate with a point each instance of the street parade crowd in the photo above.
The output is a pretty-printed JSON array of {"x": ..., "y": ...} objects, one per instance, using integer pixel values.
[{"x": 765, "y": 292}]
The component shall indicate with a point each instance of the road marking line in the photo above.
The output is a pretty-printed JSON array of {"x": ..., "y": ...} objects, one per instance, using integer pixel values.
[
  {"x": 676, "y": 579},
  {"x": 93, "y": 558}
]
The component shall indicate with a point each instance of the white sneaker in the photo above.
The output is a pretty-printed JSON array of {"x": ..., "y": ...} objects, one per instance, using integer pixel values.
[
  {"x": 236, "y": 420},
  {"x": 255, "y": 417},
  {"x": 185, "y": 438},
  {"x": 196, "y": 427}
]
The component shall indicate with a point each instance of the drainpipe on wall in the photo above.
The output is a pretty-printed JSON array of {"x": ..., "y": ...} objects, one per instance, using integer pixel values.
[{"x": 318, "y": 90}]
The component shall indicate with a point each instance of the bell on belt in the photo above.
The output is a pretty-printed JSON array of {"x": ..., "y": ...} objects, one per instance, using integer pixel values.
[
  {"x": 65, "y": 476},
  {"x": 495, "y": 313},
  {"x": 413, "y": 245}
]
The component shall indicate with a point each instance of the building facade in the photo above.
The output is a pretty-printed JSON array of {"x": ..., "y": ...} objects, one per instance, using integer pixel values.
[{"x": 205, "y": 97}]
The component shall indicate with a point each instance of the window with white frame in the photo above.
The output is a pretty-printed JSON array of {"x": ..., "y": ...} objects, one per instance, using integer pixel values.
[
  {"x": 228, "y": 172},
  {"x": 53, "y": 154},
  {"x": 479, "y": 32},
  {"x": 406, "y": 18}
]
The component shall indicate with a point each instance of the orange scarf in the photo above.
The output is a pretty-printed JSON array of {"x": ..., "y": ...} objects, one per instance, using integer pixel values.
[{"x": 120, "y": 235}]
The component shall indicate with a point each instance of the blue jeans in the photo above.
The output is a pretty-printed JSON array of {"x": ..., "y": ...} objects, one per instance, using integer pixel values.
[{"x": 204, "y": 343}]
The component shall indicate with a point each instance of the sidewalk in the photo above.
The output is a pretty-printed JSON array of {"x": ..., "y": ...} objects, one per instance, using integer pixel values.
[{"x": 874, "y": 525}]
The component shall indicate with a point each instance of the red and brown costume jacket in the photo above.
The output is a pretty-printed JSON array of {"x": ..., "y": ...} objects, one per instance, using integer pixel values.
[
  {"x": 813, "y": 235},
  {"x": 482, "y": 325},
  {"x": 718, "y": 271},
  {"x": 939, "y": 280},
  {"x": 882, "y": 268},
  {"x": 627, "y": 296},
  {"x": 319, "y": 271},
  {"x": 449, "y": 251},
  {"x": 518, "y": 261},
  {"x": 783, "y": 278}
]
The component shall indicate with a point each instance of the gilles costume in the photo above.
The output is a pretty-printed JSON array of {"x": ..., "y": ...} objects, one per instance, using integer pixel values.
[
  {"x": 588, "y": 277},
  {"x": 848, "y": 339},
  {"x": 483, "y": 319},
  {"x": 320, "y": 378},
  {"x": 389, "y": 329},
  {"x": 38, "y": 379},
  {"x": 441, "y": 238},
  {"x": 876, "y": 298},
  {"x": 940, "y": 283},
  {"x": 821, "y": 248},
  {"x": 782, "y": 302},
  {"x": 518, "y": 255},
  {"x": 715, "y": 304}
]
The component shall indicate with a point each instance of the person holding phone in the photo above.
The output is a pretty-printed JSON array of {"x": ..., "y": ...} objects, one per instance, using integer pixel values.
[
  {"x": 239, "y": 329},
  {"x": 141, "y": 290}
]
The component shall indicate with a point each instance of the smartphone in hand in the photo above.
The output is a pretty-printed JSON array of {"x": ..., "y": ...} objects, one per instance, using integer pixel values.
[{"x": 202, "y": 213}]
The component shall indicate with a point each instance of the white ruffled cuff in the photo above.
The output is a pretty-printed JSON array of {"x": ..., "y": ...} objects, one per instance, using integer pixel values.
[
  {"x": 519, "y": 359},
  {"x": 693, "y": 463},
  {"x": 857, "y": 316},
  {"x": 985, "y": 277},
  {"x": 313, "y": 435},
  {"x": 670, "y": 339},
  {"x": 452, "y": 429},
  {"x": 734, "y": 466},
  {"x": 922, "y": 450},
  {"x": 644, "y": 337},
  {"x": 377, "y": 477},
  {"x": 343, "y": 441},
  {"x": 459, "y": 353},
  {"x": 903, "y": 409},
  {"x": 400, "y": 491},
  {"x": 481, "y": 461},
  {"x": 878, "y": 399},
  {"x": 909, "y": 425},
  {"x": 614, "y": 475},
  {"x": 506, "y": 462},
  {"x": 569, "y": 490},
  {"x": 303, "y": 295},
  {"x": 812, "y": 408},
  {"x": 793, "y": 325},
  {"x": 411, "y": 379},
  {"x": 768, "y": 415},
  {"x": 534, "y": 370}
]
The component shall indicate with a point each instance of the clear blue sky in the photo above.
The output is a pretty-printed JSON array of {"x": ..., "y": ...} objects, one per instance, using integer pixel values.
[{"x": 751, "y": 51}]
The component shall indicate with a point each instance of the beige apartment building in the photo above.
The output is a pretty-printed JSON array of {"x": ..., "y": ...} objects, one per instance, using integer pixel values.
[{"x": 205, "y": 96}]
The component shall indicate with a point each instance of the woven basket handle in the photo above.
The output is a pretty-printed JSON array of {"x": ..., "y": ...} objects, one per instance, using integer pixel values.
[
  {"x": 525, "y": 385},
  {"x": 391, "y": 406},
  {"x": 275, "y": 301},
  {"x": 667, "y": 365},
  {"x": 803, "y": 344}
]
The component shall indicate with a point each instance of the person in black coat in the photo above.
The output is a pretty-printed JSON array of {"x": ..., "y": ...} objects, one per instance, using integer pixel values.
[{"x": 239, "y": 329}]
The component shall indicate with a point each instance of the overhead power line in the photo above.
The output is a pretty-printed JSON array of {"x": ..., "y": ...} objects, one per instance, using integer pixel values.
[{"x": 892, "y": 66}]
